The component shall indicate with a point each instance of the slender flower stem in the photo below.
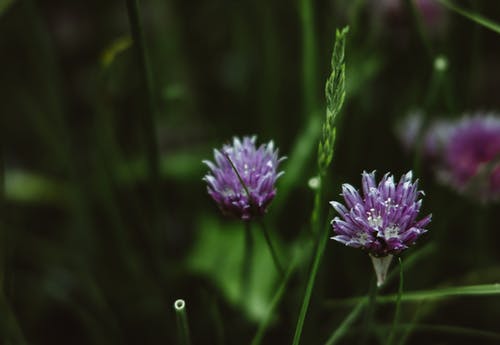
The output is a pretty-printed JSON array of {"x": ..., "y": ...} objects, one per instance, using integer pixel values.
[
  {"x": 247, "y": 260},
  {"x": 320, "y": 249},
  {"x": 370, "y": 311},
  {"x": 306, "y": 13},
  {"x": 182, "y": 324},
  {"x": 8, "y": 323},
  {"x": 3, "y": 230},
  {"x": 398, "y": 304},
  {"x": 316, "y": 214},
  {"x": 147, "y": 117},
  {"x": 344, "y": 326},
  {"x": 420, "y": 29},
  {"x": 270, "y": 245},
  {"x": 274, "y": 303}
]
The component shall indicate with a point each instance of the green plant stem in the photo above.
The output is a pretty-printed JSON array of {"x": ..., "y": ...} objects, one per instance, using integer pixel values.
[
  {"x": 477, "y": 18},
  {"x": 348, "y": 321},
  {"x": 247, "y": 260},
  {"x": 273, "y": 251},
  {"x": 398, "y": 304},
  {"x": 182, "y": 323},
  {"x": 309, "y": 79},
  {"x": 274, "y": 303},
  {"x": 429, "y": 295},
  {"x": 320, "y": 249},
  {"x": 147, "y": 117},
  {"x": 445, "y": 329},
  {"x": 370, "y": 311},
  {"x": 3, "y": 230},
  {"x": 420, "y": 29}
]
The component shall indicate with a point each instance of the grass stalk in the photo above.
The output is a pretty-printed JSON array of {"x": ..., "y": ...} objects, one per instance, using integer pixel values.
[
  {"x": 247, "y": 261},
  {"x": 309, "y": 69},
  {"x": 369, "y": 313},
  {"x": 398, "y": 305},
  {"x": 346, "y": 323},
  {"x": 182, "y": 323},
  {"x": 320, "y": 249},
  {"x": 272, "y": 249},
  {"x": 147, "y": 117}
]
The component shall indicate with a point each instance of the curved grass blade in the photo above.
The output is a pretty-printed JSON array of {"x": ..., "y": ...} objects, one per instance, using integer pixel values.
[
  {"x": 475, "y": 17},
  {"x": 446, "y": 329},
  {"x": 348, "y": 321},
  {"x": 430, "y": 295}
]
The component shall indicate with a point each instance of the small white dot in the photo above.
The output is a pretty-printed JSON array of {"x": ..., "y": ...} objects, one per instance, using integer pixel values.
[{"x": 179, "y": 304}]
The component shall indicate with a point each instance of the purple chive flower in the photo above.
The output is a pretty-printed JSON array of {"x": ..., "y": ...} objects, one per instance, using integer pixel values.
[
  {"x": 257, "y": 168},
  {"x": 471, "y": 157},
  {"x": 383, "y": 220}
]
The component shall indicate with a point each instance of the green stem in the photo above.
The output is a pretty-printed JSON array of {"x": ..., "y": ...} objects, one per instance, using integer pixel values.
[
  {"x": 316, "y": 214},
  {"x": 147, "y": 117},
  {"x": 274, "y": 303},
  {"x": 420, "y": 29},
  {"x": 370, "y": 311},
  {"x": 348, "y": 321},
  {"x": 3, "y": 230},
  {"x": 247, "y": 261},
  {"x": 273, "y": 251},
  {"x": 309, "y": 74},
  {"x": 182, "y": 324},
  {"x": 398, "y": 304},
  {"x": 320, "y": 249}
]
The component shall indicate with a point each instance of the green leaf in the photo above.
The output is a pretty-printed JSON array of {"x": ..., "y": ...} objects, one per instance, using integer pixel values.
[
  {"x": 475, "y": 17},
  {"x": 218, "y": 255}
]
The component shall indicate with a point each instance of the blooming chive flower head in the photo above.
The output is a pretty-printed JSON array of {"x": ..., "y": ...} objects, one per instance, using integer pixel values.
[
  {"x": 257, "y": 167},
  {"x": 383, "y": 220}
]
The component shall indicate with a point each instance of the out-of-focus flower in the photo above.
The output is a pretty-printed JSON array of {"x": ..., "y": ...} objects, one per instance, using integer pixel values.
[
  {"x": 436, "y": 138},
  {"x": 393, "y": 12},
  {"x": 381, "y": 221},
  {"x": 409, "y": 130},
  {"x": 246, "y": 192},
  {"x": 471, "y": 157}
]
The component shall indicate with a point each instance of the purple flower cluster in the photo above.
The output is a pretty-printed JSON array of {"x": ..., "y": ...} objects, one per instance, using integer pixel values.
[
  {"x": 433, "y": 15},
  {"x": 383, "y": 220},
  {"x": 257, "y": 167},
  {"x": 472, "y": 156},
  {"x": 464, "y": 152}
]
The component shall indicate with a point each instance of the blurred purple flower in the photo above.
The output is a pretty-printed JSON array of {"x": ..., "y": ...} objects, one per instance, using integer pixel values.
[
  {"x": 382, "y": 221},
  {"x": 409, "y": 130},
  {"x": 471, "y": 157},
  {"x": 257, "y": 168},
  {"x": 436, "y": 138},
  {"x": 394, "y": 13}
]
